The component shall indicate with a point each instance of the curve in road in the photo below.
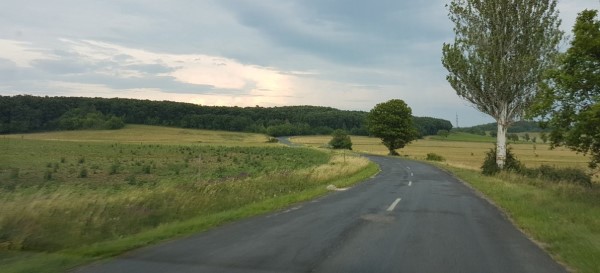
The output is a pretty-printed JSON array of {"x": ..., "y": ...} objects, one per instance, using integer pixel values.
[{"x": 412, "y": 217}]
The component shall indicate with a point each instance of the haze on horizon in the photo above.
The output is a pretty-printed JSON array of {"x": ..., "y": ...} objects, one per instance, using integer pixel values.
[{"x": 345, "y": 54}]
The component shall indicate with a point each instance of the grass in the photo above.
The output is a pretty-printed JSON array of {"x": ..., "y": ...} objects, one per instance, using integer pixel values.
[
  {"x": 72, "y": 201},
  {"x": 146, "y": 134},
  {"x": 563, "y": 218}
]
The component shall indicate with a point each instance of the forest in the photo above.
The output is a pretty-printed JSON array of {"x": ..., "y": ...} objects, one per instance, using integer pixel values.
[{"x": 25, "y": 113}]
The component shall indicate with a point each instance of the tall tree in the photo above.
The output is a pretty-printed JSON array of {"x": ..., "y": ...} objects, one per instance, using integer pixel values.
[
  {"x": 571, "y": 96},
  {"x": 392, "y": 121},
  {"x": 499, "y": 53}
]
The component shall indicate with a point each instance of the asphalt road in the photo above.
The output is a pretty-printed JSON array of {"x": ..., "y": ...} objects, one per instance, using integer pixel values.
[{"x": 412, "y": 217}]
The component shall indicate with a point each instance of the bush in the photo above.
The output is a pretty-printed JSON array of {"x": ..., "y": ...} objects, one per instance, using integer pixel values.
[
  {"x": 434, "y": 157},
  {"x": 340, "y": 140},
  {"x": 83, "y": 173},
  {"x": 490, "y": 167},
  {"x": 552, "y": 174}
]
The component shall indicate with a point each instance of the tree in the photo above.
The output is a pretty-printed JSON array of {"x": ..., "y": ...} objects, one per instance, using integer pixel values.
[
  {"x": 571, "y": 97},
  {"x": 499, "y": 53},
  {"x": 392, "y": 122},
  {"x": 340, "y": 140},
  {"x": 544, "y": 137},
  {"x": 526, "y": 137}
]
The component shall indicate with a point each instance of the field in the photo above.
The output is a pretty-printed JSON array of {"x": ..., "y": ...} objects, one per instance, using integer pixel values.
[
  {"x": 72, "y": 197},
  {"x": 462, "y": 150}
]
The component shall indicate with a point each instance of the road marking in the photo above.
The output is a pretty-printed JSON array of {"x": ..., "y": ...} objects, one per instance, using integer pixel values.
[
  {"x": 408, "y": 168},
  {"x": 393, "y": 205},
  {"x": 409, "y": 183},
  {"x": 412, "y": 174}
]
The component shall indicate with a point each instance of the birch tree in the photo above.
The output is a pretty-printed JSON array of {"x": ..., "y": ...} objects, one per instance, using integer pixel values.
[{"x": 499, "y": 52}]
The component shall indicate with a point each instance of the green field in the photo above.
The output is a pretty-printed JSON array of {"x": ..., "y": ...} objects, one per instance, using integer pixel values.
[
  {"x": 72, "y": 197},
  {"x": 563, "y": 218}
]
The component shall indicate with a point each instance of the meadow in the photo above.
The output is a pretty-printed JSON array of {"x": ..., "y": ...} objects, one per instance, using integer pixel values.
[{"x": 72, "y": 197}]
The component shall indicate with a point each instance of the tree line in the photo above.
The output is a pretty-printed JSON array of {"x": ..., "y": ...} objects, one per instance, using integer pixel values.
[{"x": 25, "y": 113}]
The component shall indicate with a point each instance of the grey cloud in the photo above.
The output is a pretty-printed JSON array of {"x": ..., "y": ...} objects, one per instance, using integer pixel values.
[{"x": 8, "y": 70}]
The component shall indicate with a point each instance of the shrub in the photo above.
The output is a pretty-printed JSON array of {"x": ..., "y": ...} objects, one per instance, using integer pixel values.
[
  {"x": 552, "y": 174},
  {"x": 340, "y": 140},
  {"x": 490, "y": 167},
  {"x": 83, "y": 173},
  {"x": 434, "y": 157}
]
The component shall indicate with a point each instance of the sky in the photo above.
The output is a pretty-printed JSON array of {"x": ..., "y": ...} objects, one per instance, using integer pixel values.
[{"x": 346, "y": 54}]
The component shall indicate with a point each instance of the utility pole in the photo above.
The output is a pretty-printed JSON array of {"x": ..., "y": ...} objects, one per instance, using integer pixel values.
[{"x": 457, "y": 121}]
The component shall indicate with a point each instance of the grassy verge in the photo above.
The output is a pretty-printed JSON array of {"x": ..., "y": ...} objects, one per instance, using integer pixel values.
[{"x": 564, "y": 219}]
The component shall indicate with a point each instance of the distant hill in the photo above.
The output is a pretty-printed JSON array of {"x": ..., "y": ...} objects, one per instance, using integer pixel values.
[
  {"x": 24, "y": 113},
  {"x": 517, "y": 127}
]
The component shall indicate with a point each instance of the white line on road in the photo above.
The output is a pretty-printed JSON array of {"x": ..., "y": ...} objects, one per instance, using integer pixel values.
[
  {"x": 393, "y": 205},
  {"x": 412, "y": 174},
  {"x": 409, "y": 183},
  {"x": 408, "y": 168}
]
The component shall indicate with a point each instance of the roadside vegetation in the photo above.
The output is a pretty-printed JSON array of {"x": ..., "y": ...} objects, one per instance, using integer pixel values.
[{"x": 72, "y": 197}]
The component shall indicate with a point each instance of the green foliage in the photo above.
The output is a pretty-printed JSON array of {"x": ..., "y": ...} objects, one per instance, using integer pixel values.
[
  {"x": 490, "y": 167},
  {"x": 443, "y": 133},
  {"x": 571, "y": 97},
  {"x": 427, "y": 126},
  {"x": 500, "y": 51},
  {"x": 552, "y": 174},
  {"x": 340, "y": 140},
  {"x": 434, "y": 157},
  {"x": 392, "y": 122},
  {"x": 19, "y": 114},
  {"x": 517, "y": 127}
]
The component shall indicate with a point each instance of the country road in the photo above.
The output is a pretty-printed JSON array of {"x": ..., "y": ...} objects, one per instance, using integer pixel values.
[{"x": 412, "y": 217}]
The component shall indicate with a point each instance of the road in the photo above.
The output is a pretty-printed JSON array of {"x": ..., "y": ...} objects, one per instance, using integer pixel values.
[{"x": 412, "y": 217}]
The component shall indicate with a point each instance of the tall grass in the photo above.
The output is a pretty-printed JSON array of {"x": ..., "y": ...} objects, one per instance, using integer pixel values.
[{"x": 131, "y": 189}]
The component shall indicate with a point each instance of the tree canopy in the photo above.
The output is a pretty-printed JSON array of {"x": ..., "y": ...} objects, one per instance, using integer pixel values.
[
  {"x": 392, "y": 122},
  {"x": 499, "y": 53},
  {"x": 571, "y": 97}
]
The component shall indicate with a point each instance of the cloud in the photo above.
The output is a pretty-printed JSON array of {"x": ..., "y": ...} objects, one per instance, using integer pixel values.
[{"x": 22, "y": 53}]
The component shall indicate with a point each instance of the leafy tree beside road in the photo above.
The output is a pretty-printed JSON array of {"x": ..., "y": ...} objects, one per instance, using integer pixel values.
[
  {"x": 499, "y": 53},
  {"x": 392, "y": 122},
  {"x": 571, "y": 97}
]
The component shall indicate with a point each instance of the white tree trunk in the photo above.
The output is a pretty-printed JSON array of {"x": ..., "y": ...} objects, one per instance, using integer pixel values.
[{"x": 501, "y": 144}]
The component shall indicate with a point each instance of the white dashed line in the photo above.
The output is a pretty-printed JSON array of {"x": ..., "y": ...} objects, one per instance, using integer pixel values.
[
  {"x": 412, "y": 174},
  {"x": 409, "y": 183},
  {"x": 393, "y": 205}
]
